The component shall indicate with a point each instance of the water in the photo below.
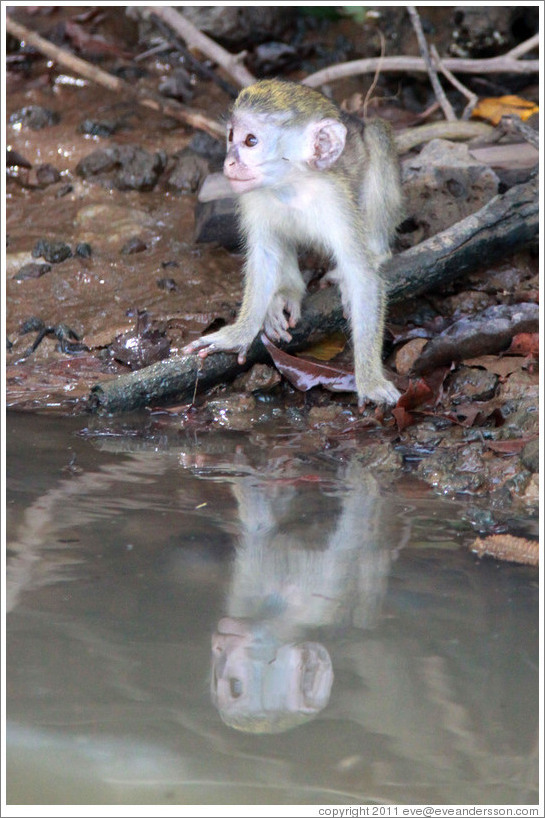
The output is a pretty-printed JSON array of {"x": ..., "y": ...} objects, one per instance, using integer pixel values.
[{"x": 215, "y": 620}]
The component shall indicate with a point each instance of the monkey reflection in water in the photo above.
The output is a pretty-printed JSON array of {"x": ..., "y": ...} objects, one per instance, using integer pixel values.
[{"x": 266, "y": 676}]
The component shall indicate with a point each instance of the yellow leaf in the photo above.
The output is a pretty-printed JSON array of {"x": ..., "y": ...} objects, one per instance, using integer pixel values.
[
  {"x": 326, "y": 349},
  {"x": 493, "y": 108}
]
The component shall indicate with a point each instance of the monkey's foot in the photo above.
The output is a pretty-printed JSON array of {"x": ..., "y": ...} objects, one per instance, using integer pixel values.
[
  {"x": 383, "y": 394},
  {"x": 224, "y": 340},
  {"x": 283, "y": 314}
]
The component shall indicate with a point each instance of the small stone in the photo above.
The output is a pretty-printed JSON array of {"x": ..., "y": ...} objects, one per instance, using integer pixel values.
[
  {"x": 133, "y": 245},
  {"x": 52, "y": 251},
  {"x": 47, "y": 175},
  {"x": 530, "y": 456},
  {"x": 34, "y": 117},
  {"x": 32, "y": 270},
  {"x": 408, "y": 354},
  {"x": 84, "y": 250}
]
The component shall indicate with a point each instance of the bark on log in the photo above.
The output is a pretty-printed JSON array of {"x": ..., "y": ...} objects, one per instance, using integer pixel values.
[{"x": 507, "y": 222}]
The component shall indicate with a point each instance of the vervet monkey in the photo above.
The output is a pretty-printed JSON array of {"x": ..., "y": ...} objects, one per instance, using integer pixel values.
[
  {"x": 268, "y": 672},
  {"x": 308, "y": 178}
]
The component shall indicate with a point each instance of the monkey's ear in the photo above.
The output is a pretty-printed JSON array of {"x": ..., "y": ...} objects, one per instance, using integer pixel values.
[{"x": 326, "y": 140}]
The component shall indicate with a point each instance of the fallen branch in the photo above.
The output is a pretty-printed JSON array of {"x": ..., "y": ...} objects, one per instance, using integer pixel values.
[
  {"x": 506, "y": 223},
  {"x": 440, "y": 95},
  {"x": 411, "y": 137},
  {"x": 469, "y": 95},
  {"x": 231, "y": 63},
  {"x": 506, "y": 64},
  {"x": 115, "y": 84}
]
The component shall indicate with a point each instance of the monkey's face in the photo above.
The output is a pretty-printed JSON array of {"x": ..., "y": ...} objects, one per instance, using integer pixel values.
[
  {"x": 253, "y": 153},
  {"x": 265, "y": 150}
]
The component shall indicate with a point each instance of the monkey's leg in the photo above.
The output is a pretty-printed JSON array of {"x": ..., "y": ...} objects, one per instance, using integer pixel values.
[
  {"x": 363, "y": 291},
  {"x": 285, "y": 308},
  {"x": 262, "y": 280}
]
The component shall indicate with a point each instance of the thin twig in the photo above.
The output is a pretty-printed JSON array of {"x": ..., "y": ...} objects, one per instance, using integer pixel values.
[
  {"x": 115, "y": 84},
  {"x": 377, "y": 74},
  {"x": 434, "y": 79},
  {"x": 506, "y": 64},
  {"x": 513, "y": 124},
  {"x": 231, "y": 63},
  {"x": 469, "y": 95},
  {"x": 523, "y": 48}
]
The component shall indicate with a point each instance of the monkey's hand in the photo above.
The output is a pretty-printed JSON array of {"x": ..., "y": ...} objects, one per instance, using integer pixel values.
[
  {"x": 283, "y": 313},
  {"x": 233, "y": 338}
]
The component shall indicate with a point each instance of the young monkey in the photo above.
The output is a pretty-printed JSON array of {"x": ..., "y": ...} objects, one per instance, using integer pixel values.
[{"x": 307, "y": 178}]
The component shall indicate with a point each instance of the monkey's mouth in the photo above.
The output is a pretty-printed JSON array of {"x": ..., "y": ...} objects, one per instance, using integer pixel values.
[{"x": 241, "y": 180}]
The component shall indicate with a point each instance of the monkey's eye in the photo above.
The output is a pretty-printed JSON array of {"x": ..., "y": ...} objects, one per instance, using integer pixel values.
[
  {"x": 235, "y": 688},
  {"x": 230, "y": 135},
  {"x": 250, "y": 140}
]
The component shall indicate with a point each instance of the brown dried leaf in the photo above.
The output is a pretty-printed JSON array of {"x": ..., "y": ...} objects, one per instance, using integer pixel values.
[
  {"x": 502, "y": 366},
  {"x": 402, "y": 417},
  {"x": 525, "y": 343},
  {"x": 507, "y": 447},
  {"x": 304, "y": 374}
]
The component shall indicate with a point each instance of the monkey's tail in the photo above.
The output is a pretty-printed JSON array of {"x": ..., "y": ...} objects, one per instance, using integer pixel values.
[{"x": 382, "y": 196}]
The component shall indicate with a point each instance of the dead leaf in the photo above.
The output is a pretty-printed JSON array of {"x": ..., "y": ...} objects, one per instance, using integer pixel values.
[
  {"x": 477, "y": 414},
  {"x": 304, "y": 374},
  {"x": 525, "y": 343},
  {"x": 328, "y": 348},
  {"x": 493, "y": 108},
  {"x": 508, "y": 447},
  {"x": 402, "y": 417},
  {"x": 502, "y": 366}
]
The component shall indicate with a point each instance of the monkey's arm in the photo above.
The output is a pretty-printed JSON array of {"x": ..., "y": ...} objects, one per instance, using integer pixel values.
[{"x": 262, "y": 273}]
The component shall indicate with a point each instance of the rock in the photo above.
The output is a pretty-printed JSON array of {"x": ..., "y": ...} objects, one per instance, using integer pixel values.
[
  {"x": 530, "y": 456},
  {"x": 230, "y": 24},
  {"x": 520, "y": 384},
  {"x": 472, "y": 383},
  {"x": 408, "y": 354},
  {"x": 177, "y": 85},
  {"x": 84, "y": 250},
  {"x": 98, "y": 162},
  {"x": 484, "y": 31},
  {"x": 34, "y": 117},
  {"x": 453, "y": 470},
  {"x": 188, "y": 173},
  {"x": 32, "y": 270},
  {"x": 53, "y": 251},
  {"x": 444, "y": 184},
  {"x": 134, "y": 245},
  {"x": 216, "y": 221},
  {"x": 260, "y": 378},
  {"x": 95, "y": 127},
  {"x": 212, "y": 149},
  {"x": 47, "y": 175},
  {"x": 125, "y": 167}
]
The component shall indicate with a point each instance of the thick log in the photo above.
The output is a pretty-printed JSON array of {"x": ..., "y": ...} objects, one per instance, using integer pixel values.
[{"x": 506, "y": 223}]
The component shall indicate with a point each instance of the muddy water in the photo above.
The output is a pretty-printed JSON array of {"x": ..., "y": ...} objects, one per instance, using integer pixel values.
[{"x": 208, "y": 620}]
